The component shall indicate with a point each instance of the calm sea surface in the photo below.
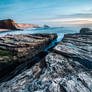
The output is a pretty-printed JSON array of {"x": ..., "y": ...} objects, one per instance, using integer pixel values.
[{"x": 60, "y": 31}]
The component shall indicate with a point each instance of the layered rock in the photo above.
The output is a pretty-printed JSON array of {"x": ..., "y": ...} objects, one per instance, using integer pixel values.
[
  {"x": 56, "y": 74},
  {"x": 76, "y": 45},
  {"x": 16, "y": 49},
  {"x": 9, "y": 24},
  {"x": 59, "y": 71}
]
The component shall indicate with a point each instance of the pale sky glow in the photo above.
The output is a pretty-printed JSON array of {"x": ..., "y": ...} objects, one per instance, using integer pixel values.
[
  {"x": 51, "y": 12},
  {"x": 72, "y": 19}
]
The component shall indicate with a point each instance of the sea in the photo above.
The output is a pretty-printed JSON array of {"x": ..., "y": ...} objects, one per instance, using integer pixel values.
[{"x": 60, "y": 31}]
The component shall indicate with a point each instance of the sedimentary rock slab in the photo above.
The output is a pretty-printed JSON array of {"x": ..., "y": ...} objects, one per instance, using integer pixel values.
[
  {"x": 76, "y": 45},
  {"x": 20, "y": 48},
  {"x": 59, "y": 71}
]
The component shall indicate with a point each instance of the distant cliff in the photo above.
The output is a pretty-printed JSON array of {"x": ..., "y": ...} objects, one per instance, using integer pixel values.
[
  {"x": 7, "y": 24},
  {"x": 11, "y": 25},
  {"x": 23, "y": 26}
]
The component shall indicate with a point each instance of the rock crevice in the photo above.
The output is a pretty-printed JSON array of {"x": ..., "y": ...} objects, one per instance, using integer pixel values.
[
  {"x": 59, "y": 71},
  {"x": 17, "y": 49}
]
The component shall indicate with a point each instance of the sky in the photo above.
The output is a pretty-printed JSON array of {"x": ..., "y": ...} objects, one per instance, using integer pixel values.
[{"x": 51, "y": 12}]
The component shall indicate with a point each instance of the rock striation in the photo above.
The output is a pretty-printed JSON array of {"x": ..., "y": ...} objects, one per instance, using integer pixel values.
[
  {"x": 59, "y": 71},
  {"x": 16, "y": 49},
  {"x": 56, "y": 74},
  {"x": 77, "y": 45}
]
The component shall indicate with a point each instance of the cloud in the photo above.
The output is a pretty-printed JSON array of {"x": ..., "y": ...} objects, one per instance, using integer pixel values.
[
  {"x": 70, "y": 19},
  {"x": 78, "y": 15}
]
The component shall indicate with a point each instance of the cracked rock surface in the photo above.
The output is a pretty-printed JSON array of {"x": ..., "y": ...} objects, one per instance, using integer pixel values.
[
  {"x": 16, "y": 49},
  {"x": 60, "y": 71}
]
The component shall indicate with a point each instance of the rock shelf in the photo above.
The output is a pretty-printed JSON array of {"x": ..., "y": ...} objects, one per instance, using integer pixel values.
[
  {"x": 16, "y": 49},
  {"x": 59, "y": 71}
]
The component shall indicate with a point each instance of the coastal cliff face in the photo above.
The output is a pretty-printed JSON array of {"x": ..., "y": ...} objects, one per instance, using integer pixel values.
[
  {"x": 76, "y": 45},
  {"x": 60, "y": 70},
  {"x": 9, "y": 24},
  {"x": 23, "y": 26}
]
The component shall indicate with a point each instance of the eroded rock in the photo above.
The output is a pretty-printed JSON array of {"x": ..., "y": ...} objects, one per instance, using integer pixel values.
[
  {"x": 16, "y": 49},
  {"x": 59, "y": 72},
  {"x": 76, "y": 45},
  {"x": 9, "y": 24}
]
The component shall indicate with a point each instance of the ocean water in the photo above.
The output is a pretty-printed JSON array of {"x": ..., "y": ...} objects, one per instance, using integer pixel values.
[{"x": 60, "y": 31}]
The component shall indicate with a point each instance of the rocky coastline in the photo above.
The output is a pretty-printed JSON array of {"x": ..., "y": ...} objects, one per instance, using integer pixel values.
[
  {"x": 66, "y": 69},
  {"x": 9, "y": 24}
]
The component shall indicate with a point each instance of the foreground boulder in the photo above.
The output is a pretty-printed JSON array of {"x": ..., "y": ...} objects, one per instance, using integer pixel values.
[
  {"x": 59, "y": 71},
  {"x": 56, "y": 74},
  {"x": 16, "y": 49}
]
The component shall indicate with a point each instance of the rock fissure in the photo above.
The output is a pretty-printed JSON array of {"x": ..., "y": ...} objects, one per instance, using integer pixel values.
[{"x": 60, "y": 71}]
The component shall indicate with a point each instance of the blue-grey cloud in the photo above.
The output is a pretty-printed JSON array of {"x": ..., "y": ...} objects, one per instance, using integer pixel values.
[{"x": 76, "y": 15}]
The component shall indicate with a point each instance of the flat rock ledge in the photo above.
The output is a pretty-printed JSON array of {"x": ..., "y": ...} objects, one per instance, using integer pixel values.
[
  {"x": 16, "y": 49},
  {"x": 76, "y": 45},
  {"x": 59, "y": 71}
]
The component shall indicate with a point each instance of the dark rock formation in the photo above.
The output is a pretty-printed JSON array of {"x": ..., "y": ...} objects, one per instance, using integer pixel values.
[
  {"x": 46, "y": 26},
  {"x": 59, "y": 72},
  {"x": 85, "y": 31},
  {"x": 56, "y": 74},
  {"x": 7, "y": 24},
  {"x": 16, "y": 49}
]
